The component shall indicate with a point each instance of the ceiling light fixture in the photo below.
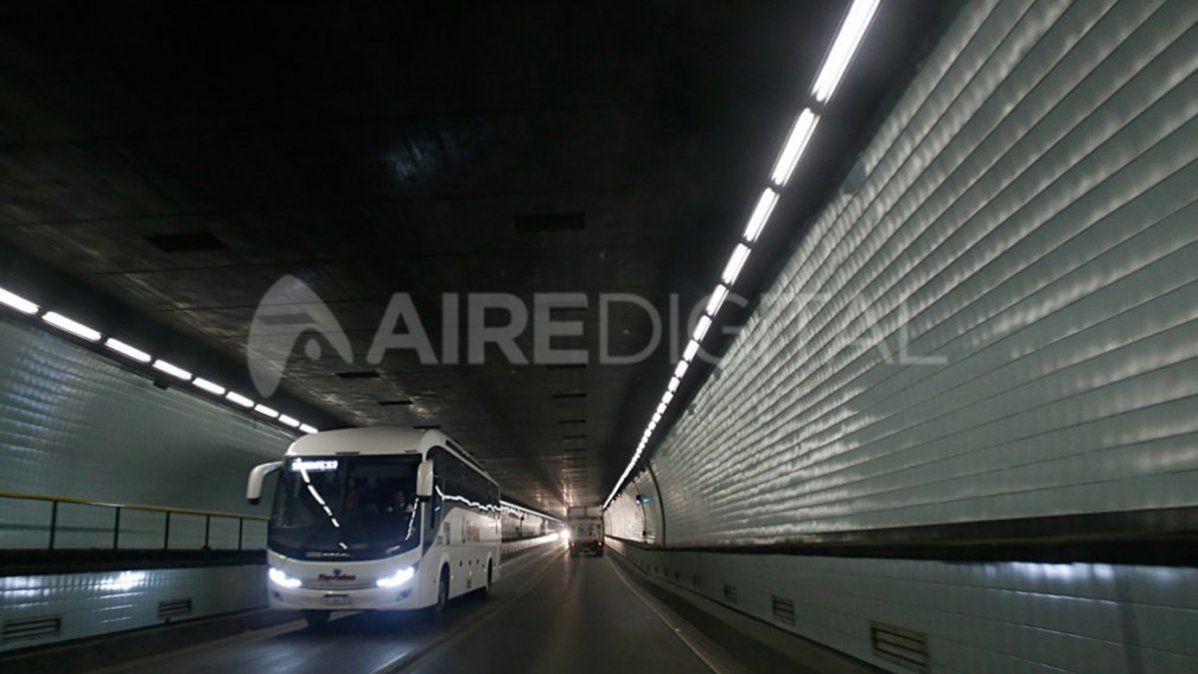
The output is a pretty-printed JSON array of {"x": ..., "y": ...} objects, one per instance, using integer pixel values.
[
  {"x": 716, "y": 300},
  {"x": 68, "y": 325},
  {"x": 238, "y": 399},
  {"x": 796, "y": 142},
  {"x": 761, "y": 214},
  {"x": 127, "y": 351},
  {"x": 843, "y": 48},
  {"x": 735, "y": 263},
  {"x": 17, "y": 302},
  {"x": 680, "y": 370},
  {"x": 266, "y": 411},
  {"x": 172, "y": 369},
  {"x": 211, "y": 387}
]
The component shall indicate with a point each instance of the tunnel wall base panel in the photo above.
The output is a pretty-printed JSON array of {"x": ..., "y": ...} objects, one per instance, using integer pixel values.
[
  {"x": 92, "y": 604},
  {"x": 973, "y": 617}
]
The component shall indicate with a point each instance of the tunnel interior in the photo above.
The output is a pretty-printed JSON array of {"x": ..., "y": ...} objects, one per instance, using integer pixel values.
[{"x": 861, "y": 332}]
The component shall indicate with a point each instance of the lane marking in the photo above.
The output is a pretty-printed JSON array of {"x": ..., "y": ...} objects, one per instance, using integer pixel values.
[
  {"x": 716, "y": 658},
  {"x": 423, "y": 654}
]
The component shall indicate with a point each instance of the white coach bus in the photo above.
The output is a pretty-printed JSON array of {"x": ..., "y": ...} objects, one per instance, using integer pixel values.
[{"x": 378, "y": 518}]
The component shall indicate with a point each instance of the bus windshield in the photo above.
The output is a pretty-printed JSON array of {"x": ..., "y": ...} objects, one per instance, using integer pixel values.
[{"x": 358, "y": 507}]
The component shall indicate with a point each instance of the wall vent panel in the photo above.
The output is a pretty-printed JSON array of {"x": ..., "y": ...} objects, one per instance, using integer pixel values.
[{"x": 904, "y": 648}]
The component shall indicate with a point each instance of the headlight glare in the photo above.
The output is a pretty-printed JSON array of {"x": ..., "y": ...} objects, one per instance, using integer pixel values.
[
  {"x": 396, "y": 579},
  {"x": 282, "y": 580}
]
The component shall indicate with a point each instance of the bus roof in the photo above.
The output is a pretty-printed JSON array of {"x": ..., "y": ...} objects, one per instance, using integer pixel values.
[{"x": 376, "y": 440}]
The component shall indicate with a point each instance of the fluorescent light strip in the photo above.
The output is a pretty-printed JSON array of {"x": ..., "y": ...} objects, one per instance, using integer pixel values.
[
  {"x": 716, "y": 300},
  {"x": 17, "y": 302},
  {"x": 680, "y": 370},
  {"x": 78, "y": 329},
  {"x": 735, "y": 264},
  {"x": 845, "y": 45},
  {"x": 204, "y": 384},
  {"x": 74, "y": 327},
  {"x": 127, "y": 351},
  {"x": 238, "y": 399},
  {"x": 792, "y": 151},
  {"x": 668, "y": 397},
  {"x": 761, "y": 214},
  {"x": 172, "y": 369}
]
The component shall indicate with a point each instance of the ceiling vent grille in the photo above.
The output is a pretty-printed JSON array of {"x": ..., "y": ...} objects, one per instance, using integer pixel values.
[
  {"x": 359, "y": 374},
  {"x": 31, "y": 628},
  {"x": 186, "y": 242},
  {"x": 541, "y": 223},
  {"x": 904, "y": 648}
]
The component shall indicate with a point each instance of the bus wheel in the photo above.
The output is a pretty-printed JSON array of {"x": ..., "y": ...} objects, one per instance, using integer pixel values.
[
  {"x": 486, "y": 591},
  {"x": 317, "y": 619},
  {"x": 442, "y": 591}
]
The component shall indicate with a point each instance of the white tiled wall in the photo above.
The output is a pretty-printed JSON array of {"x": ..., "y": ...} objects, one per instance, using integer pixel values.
[
  {"x": 90, "y": 604},
  {"x": 1025, "y": 223},
  {"x": 991, "y": 617},
  {"x": 1028, "y": 217},
  {"x": 74, "y": 424}
]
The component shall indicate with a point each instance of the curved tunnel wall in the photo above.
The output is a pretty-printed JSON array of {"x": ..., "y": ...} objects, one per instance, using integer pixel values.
[
  {"x": 1027, "y": 218},
  {"x": 1021, "y": 227},
  {"x": 75, "y": 424}
]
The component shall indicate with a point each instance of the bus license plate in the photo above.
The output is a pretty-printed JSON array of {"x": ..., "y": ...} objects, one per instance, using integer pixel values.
[{"x": 336, "y": 599}]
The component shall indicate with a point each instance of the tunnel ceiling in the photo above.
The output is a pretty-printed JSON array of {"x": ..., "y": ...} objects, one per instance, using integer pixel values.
[{"x": 181, "y": 161}]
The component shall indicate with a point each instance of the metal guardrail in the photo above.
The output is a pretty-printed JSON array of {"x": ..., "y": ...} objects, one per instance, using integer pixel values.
[{"x": 54, "y": 526}]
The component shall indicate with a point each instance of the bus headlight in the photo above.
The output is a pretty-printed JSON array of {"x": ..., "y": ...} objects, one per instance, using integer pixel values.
[
  {"x": 396, "y": 579},
  {"x": 282, "y": 580}
]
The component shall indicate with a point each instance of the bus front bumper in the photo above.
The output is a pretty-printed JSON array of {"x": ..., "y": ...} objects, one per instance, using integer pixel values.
[{"x": 379, "y": 599}]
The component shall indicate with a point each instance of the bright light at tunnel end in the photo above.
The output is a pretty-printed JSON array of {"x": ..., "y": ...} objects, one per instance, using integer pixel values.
[{"x": 840, "y": 54}]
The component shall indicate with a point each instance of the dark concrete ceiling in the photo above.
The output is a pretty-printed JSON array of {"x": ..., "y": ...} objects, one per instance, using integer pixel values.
[{"x": 369, "y": 150}]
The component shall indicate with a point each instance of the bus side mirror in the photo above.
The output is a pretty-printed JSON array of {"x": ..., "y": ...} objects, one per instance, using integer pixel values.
[
  {"x": 253, "y": 488},
  {"x": 424, "y": 480}
]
